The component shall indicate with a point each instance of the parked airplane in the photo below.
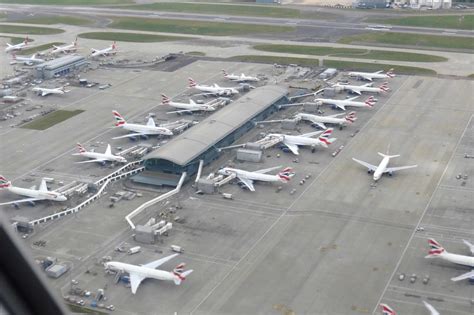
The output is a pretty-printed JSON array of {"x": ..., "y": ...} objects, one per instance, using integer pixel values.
[
  {"x": 369, "y": 76},
  {"x": 26, "y": 60},
  {"x": 150, "y": 129},
  {"x": 247, "y": 177},
  {"x": 333, "y": 119},
  {"x": 19, "y": 46},
  {"x": 140, "y": 273},
  {"x": 99, "y": 157},
  {"x": 382, "y": 167},
  {"x": 111, "y": 50},
  {"x": 45, "y": 91},
  {"x": 292, "y": 142},
  {"x": 387, "y": 310},
  {"x": 34, "y": 194},
  {"x": 212, "y": 89},
  {"x": 437, "y": 251},
  {"x": 359, "y": 89},
  {"x": 65, "y": 48},
  {"x": 239, "y": 78},
  {"x": 342, "y": 104},
  {"x": 188, "y": 107}
]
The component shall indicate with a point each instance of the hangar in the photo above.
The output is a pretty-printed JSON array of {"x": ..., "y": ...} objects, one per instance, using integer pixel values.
[
  {"x": 201, "y": 142},
  {"x": 59, "y": 66}
]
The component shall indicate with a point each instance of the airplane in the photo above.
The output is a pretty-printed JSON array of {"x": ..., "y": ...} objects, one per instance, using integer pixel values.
[
  {"x": 212, "y": 89},
  {"x": 369, "y": 76},
  {"x": 437, "y": 251},
  {"x": 239, "y": 78},
  {"x": 188, "y": 107},
  {"x": 140, "y": 273},
  {"x": 341, "y": 104},
  {"x": 19, "y": 46},
  {"x": 387, "y": 310},
  {"x": 359, "y": 89},
  {"x": 138, "y": 129},
  {"x": 99, "y": 157},
  {"x": 292, "y": 142},
  {"x": 34, "y": 194},
  {"x": 111, "y": 50},
  {"x": 382, "y": 167},
  {"x": 45, "y": 91},
  {"x": 247, "y": 177},
  {"x": 333, "y": 119},
  {"x": 65, "y": 48},
  {"x": 27, "y": 60}
]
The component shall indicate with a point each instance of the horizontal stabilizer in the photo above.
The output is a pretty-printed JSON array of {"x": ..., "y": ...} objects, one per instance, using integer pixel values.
[
  {"x": 467, "y": 275},
  {"x": 389, "y": 156}
]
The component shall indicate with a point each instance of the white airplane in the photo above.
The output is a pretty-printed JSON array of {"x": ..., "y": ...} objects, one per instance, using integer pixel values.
[
  {"x": 65, "y": 48},
  {"x": 150, "y": 129},
  {"x": 369, "y": 76},
  {"x": 99, "y": 157},
  {"x": 359, "y": 89},
  {"x": 437, "y": 251},
  {"x": 212, "y": 89},
  {"x": 140, "y": 273},
  {"x": 350, "y": 102},
  {"x": 34, "y": 194},
  {"x": 19, "y": 46},
  {"x": 188, "y": 107},
  {"x": 382, "y": 167},
  {"x": 247, "y": 178},
  {"x": 27, "y": 60},
  {"x": 333, "y": 119},
  {"x": 111, "y": 50},
  {"x": 239, "y": 78},
  {"x": 387, "y": 310},
  {"x": 292, "y": 142},
  {"x": 45, "y": 91}
]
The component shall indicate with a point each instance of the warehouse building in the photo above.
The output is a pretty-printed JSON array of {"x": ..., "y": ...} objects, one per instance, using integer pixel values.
[
  {"x": 370, "y": 4},
  {"x": 201, "y": 142},
  {"x": 60, "y": 66}
]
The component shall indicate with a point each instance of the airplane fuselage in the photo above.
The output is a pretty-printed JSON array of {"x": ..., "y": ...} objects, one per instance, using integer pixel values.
[
  {"x": 361, "y": 88},
  {"x": 369, "y": 76},
  {"x": 250, "y": 175},
  {"x": 187, "y": 106},
  {"x": 141, "y": 271},
  {"x": 32, "y": 193},
  {"x": 323, "y": 119},
  {"x": 297, "y": 140},
  {"x": 381, "y": 168},
  {"x": 147, "y": 130},
  {"x": 45, "y": 92},
  {"x": 15, "y": 47},
  {"x": 103, "y": 156},
  {"x": 26, "y": 60},
  {"x": 457, "y": 259},
  {"x": 343, "y": 103},
  {"x": 216, "y": 90}
]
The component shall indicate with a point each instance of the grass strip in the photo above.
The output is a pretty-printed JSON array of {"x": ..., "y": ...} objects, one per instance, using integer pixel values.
[
  {"x": 57, "y": 19},
  {"x": 35, "y": 49},
  {"x": 131, "y": 37},
  {"x": 463, "y": 22},
  {"x": 51, "y": 119},
  {"x": 364, "y": 66},
  {"x": 29, "y": 30}
]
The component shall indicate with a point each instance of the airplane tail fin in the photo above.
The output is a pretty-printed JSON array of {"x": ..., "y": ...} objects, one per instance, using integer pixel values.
[
  {"x": 119, "y": 120},
  {"x": 165, "y": 100},
  {"x": 286, "y": 174},
  {"x": 351, "y": 117},
  {"x": 191, "y": 83},
  {"x": 387, "y": 310},
  {"x": 4, "y": 183},
  {"x": 384, "y": 87},
  {"x": 324, "y": 137},
  {"x": 370, "y": 102},
  {"x": 180, "y": 274},
  {"x": 114, "y": 45},
  {"x": 75, "y": 42},
  {"x": 26, "y": 40},
  {"x": 14, "y": 56},
  {"x": 435, "y": 249},
  {"x": 80, "y": 148},
  {"x": 390, "y": 73}
]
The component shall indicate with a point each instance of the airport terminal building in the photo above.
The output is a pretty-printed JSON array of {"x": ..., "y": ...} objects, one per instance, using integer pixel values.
[
  {"x": 201, "y": 142},
  {"x": 60, "y": 66}
]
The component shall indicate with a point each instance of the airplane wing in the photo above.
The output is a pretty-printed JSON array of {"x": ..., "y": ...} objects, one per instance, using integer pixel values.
[
  {"x": 293, "y": 148},
  {"x": 320, "y": 125},
  {"x": 248, "y": 183},
  {"x": 205, "y": 94},
  {"x": 311, "y": 134},
  {"x": 43, "y": 93},
  {"x": 343, "y": 107},
  {"x": 129, "y": 135},
  {"x": 430, "y": 307},
  {"x": 337, "y": 115},
  {"x": 471, "y": 246},
  {"x": 91, "y": 161},
  {"x": 151, "y": 122},
  {"x": 368, "y": 165},
  {"x": 21, "y": 201},
  {"x": 367, "y": 78},
  {"x": 398, "y": 168},
  {"x": 159, "y": 262},
  {"x": 108, "y": 151},
  {"x": 356, "y": 91},
  {"x": 266, "y": 170},
  {"x": 135, "y": 281},
  {"x": 467, "y": 275},
  {"x": 43, "y": 186}
]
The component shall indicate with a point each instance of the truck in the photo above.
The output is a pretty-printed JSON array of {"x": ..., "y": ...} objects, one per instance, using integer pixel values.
[{"x": 134, "y": 250}]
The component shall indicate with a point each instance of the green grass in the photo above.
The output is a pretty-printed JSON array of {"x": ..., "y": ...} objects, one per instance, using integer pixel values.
[
  {"x": 350, "y": 53},
  {"x": 417, "y": 40},
  {"x": 36, "y": 49},
  {"x": 51, "y": 119},
  {"x": 196, "y": 53},
  {"x": 363, "y": 66},
  {"x": 68, "y": 2},
  {"x": 471, "y": 76},
  {"x": 131, "y": 37},
  {"x": 436, "y": 21},
  {"x": 16, "y": 29},
  {"x": 227, "y": 9},
  {"x": 59, "y": 19},
  {"x": 84, "y": 310},
  {"x": 194, "y": 27},
  {"x": 16, "y": 40},
  {"x": 276, "y": 59}
]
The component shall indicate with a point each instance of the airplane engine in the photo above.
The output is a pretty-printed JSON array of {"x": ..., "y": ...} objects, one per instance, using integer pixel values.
[
  {"x": 369, "y": 171},
  {"x": 390, "y": 173}
]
